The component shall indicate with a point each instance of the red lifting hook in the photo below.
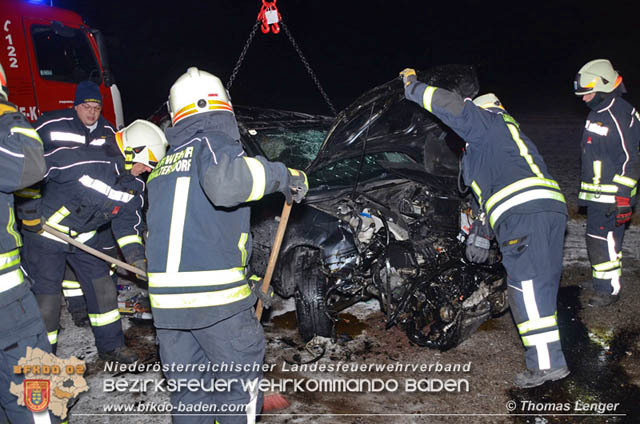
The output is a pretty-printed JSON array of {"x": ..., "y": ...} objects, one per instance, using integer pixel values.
[{"x": 269, "y": 16}]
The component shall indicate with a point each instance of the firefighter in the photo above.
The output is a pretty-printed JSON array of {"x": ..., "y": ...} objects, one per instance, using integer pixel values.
[
  {"x": 522, "y": 205},
  {"x": 22, "y": 164},
  {"x": 199, "y": 246},
  {"x": 85, "y": 189},
  {"x": 81, "y": 125},
  {"x": 610, "y": 171}
]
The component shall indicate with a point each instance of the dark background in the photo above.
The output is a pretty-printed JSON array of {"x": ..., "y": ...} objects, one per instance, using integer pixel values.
[{"x": 526, "y": 52}]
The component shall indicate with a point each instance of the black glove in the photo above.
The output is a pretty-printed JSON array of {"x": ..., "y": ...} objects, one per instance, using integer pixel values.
[
  {"x": 408, "y": 76},
  {"x": 622, "y": 209},
  {"x": 479, "y": 242},
  {"x": 142, "y": 265},
  {"x": 297, "y": 187},
  {"x": 32, "y": 225},
  {"x": 255, "y": 283},
  {"x": 127, "y": 182}
]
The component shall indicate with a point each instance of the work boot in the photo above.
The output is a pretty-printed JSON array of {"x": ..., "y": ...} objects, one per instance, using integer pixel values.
[
  {"x": 602, "y": 299},
  {"x": 528, "y": 378},
  {"x": 120, "y": 354},
  {"x": 80, "y": 318}
]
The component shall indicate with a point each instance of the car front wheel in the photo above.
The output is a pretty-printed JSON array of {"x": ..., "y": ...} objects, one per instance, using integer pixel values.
[{"x": 311, "y": 308}]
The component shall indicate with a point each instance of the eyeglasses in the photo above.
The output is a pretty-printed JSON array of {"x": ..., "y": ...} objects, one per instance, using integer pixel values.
[{"x": 87, "y": 107}]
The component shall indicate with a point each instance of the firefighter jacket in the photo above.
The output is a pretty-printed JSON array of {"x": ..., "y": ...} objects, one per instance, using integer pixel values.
[
  {"x": 610, "y": 163},
  {"x": 199, "y": 241},
  {"x": 500, "y": 163},
  {"x": 56, "y": 129},
  {"x": 64, "y": 128},
  {"x": 22, "y": 164},
  {"x": 84, "y": 189}
]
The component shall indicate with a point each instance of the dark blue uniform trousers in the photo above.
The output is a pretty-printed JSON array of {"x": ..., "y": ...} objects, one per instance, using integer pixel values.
[
  {"x": 604, "y": 245},
  {"x": 23, "y": 316},
  {"x": 531, "y": 247},
  {"x": 237, "y": 343},
  {"x": 45, "y": 262}
]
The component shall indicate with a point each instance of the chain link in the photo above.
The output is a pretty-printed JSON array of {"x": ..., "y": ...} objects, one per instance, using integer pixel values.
[
  {"x": 242, "y": 55},
  {"x": 306, "y": 64}
]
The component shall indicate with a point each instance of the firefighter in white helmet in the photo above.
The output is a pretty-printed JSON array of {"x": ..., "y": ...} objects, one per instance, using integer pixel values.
[
  {"x": 518, "y": 201},
  {"x": 610, "y": 172},
  {"x": 200, "y": 243}
]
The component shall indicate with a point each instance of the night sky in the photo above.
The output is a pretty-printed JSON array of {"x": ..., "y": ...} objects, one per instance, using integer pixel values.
[{"x": 526, "y": 52}]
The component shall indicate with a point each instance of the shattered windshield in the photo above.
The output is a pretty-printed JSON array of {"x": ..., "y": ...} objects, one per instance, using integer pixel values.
[
  {"x": 343, "y": 172},
  {"x": 296, "y": 147}
]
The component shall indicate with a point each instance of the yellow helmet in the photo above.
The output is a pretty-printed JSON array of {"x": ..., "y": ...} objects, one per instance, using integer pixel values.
[
  {"x": 145, "y": 140},
  {"x": 197, "y": 92},
  {"x": 596, "y": 76},
  {"x": 4, "y": 92}
]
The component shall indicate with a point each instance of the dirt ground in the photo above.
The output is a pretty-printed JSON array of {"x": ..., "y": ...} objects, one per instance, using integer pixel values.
[{"x": 471, "y": 383}]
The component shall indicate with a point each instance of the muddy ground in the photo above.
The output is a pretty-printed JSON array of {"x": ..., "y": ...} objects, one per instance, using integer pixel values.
[{"x": 602, "y": 347}]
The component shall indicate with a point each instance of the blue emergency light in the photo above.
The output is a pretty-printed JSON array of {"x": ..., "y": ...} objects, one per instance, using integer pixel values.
[{"x": 41, "y": 2}]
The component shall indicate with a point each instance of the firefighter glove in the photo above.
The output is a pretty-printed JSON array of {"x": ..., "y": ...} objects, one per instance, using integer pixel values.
[
  {"x": 142, "y": 265},
  {"x": 408, "y": 76},
  {"x": 622, "y": 209},
  {"x": 127, "y": 182},
  {"x": 478, "y": 242},
  {"x": 32, "y": 225},
  {"x": 255, "y": 283},
  {"x": 297, "y": 186}
]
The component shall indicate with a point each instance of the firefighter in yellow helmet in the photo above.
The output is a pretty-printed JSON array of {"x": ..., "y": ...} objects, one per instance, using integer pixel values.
[
  {"x": 199, "y": 246},
  {"x": 610, "y": 172}
]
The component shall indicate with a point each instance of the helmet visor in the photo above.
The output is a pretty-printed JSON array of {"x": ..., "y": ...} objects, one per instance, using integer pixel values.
[{"x": 581, "y": 87}]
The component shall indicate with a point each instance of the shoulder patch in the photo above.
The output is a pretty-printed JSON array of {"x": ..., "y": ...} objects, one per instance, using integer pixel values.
[{"x": 7, "y": 109}]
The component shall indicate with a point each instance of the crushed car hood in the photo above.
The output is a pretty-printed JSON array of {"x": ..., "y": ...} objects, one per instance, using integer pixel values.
[{"x": 389, "y": 123}]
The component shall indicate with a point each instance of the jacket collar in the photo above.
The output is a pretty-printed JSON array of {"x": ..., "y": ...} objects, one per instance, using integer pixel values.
[{"x": 188, "y": 128}]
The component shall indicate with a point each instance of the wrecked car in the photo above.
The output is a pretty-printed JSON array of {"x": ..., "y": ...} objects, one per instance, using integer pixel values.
[{"x": 385, "y": 218}]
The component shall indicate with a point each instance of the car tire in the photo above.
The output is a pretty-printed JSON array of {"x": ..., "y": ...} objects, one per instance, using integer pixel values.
[{"x": 311, "y": 309}]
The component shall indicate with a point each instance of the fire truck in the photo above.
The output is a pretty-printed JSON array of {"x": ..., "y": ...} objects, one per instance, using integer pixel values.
[{"x": 46, "y": 52}]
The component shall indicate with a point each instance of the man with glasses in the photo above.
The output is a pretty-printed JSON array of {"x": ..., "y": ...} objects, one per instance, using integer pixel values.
[{"x": 70, "y": 127}]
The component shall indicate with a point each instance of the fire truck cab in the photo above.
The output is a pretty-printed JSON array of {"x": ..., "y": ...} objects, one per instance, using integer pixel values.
[{"x": 46, "y": 52}]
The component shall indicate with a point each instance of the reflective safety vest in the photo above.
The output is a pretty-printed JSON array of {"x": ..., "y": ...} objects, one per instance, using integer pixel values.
[
  {"x": 199, "y": 240},
  {"x": 501, "y": 164},
  {"x": 610, "y": 162}
]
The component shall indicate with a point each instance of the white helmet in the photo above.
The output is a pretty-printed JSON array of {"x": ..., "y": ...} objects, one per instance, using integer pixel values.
[
  {"x": 487, "y": 100},
  {"x": 196, "y": 92},
  {"x": 145, "y": 140},
  {"x": 596, "y": 76},
  {"x": 3, "y": 84}
]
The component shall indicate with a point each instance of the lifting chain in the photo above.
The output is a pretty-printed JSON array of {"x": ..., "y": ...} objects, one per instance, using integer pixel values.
[
  {"x": 306, "y": 64},
  {"x": 261, "y": 21},
  {"x": 242, "y": 55}
]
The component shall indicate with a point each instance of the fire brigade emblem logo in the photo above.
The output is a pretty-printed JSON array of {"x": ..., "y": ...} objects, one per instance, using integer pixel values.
[{"x": 36, "y": 394}]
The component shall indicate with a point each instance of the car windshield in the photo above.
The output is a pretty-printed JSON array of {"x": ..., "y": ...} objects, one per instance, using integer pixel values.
[
  {"x": 343, "y": 172},
  {"x": 296, "y": 147}
]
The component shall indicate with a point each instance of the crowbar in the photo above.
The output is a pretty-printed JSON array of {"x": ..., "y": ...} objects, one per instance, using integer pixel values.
[
  {"x": 93, "y": 251},
  {"x": 273, "y": 257}
]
